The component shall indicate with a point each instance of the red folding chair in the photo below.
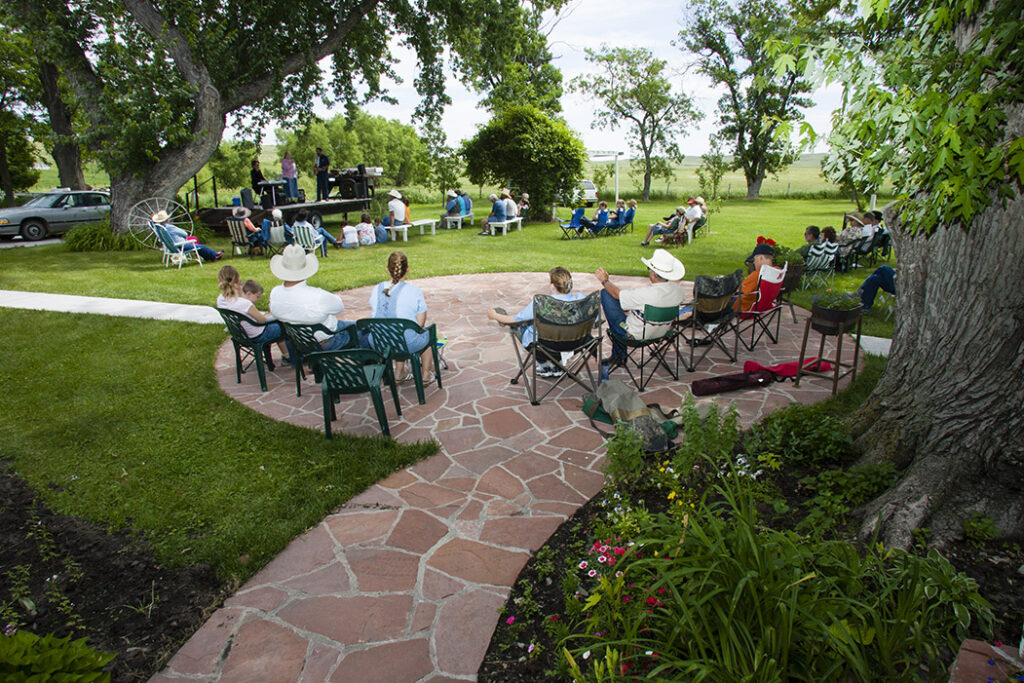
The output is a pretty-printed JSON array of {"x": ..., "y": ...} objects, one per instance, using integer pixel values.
[{"x": 767, "y": 308}]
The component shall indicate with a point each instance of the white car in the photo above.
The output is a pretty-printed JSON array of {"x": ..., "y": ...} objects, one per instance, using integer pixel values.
[
  {"x": 53, "y": 212},
  {"x": 586, "y": 193}
]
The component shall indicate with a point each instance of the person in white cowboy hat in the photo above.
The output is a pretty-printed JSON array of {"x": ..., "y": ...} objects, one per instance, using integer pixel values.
[
  {"x": 511, "y": 208},
  {"x": 452, "y": 206},
  {"x": 178, "y": 235},
  {"x": 497, "y": 214},
  {"x": 396, "y": 216},
  {"x": 296, "y": 302},
  {"x": 664, "y": 271}
]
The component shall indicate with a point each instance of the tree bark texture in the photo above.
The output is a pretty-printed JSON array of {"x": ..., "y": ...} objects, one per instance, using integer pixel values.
[
  {"x": 949, "y": 409},
  {"x": 66, "y": 152},
  {"x": 754, "y": 187}
]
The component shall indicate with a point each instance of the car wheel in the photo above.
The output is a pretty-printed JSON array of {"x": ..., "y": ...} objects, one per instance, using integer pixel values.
[{"x": 34, "y": 229}]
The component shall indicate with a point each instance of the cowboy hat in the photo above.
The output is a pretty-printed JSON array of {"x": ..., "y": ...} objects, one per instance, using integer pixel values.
[
  {"x": 395, "y": 193},
  {"x": 451, "y": 193},
  {"x": 160, "y": 216},
  {"x": 294, "y": 264},
  {"x": 240, "y": 212},
  {"x": 665, "y": 265}
]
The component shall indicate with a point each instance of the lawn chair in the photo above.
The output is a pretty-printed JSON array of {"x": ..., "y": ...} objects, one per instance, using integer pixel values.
[
  {"x": 310, "y": 240},
  {"x": 767, "y": 308},
  {"x": 354, "y": 371},
  {"x": 387, "y": 335},
  {"x": 570, "y": 230},
  {"x": 713, "y": 316},
  {"x": 278, "y": 238},
  {"x": 246, "y": 348},
  {"x": 626, "y": 221},
  {"x": 677, "y": 237},
  {"x": 175, "y": 252},
  {"x": 653, "y": 350},
  {"x": 303, "y": 341},
  {"x": 699, "y": 226},
  {"x": 562, "y": 327},
  {"x": 240, "y": 242},
  {"x": 598, "y": 228},
  {"x": 820, "y": 265}
]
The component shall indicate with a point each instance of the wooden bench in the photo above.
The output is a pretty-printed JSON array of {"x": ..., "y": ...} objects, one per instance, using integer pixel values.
[{"x": 505, "y": 225}]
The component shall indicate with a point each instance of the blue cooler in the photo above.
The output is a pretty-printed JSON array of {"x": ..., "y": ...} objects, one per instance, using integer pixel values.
[{"x": 236, "y": 201}]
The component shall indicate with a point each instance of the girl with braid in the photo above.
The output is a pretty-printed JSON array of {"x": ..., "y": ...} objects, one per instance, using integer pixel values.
[{"x": 396, "y": 298}]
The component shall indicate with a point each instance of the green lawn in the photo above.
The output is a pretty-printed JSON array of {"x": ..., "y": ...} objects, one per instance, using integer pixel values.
[{"x": 538, "y": 247}]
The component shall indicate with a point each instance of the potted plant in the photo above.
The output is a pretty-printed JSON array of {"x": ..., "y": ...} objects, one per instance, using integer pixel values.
[
  {"x": 794, "y": 263},
  {"x": 835, "y": 312}
]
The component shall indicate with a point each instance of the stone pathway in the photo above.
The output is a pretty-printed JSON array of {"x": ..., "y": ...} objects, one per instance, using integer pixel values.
[{"x": 404, "y": 582}]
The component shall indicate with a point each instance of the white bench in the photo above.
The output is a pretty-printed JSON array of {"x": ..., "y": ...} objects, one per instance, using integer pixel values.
[
  {"x": 423, "y": 222},
  {"x": 505, "y": 225},
  {"x": 449, "y": 222},
  {"x": 394, "y": 230}
]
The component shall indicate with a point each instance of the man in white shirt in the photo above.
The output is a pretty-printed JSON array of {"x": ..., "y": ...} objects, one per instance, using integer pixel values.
[
  {"x": 296, "y": 302},
  {"x": 664, "y": 271},
  {"x": 396, "y": 215},
  {"x": 511, "y": 208}
]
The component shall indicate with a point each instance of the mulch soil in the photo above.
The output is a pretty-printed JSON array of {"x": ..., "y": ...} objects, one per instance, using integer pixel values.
[{"x": 73, "y": 578}]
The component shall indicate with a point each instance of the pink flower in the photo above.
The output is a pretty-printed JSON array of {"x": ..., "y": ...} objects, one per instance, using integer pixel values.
[
  {"x": 619, "y": 551},
  {"x": 510, "y": 621},
  {"x": 618, "y": 574},
  {"x": 530, "y": 649},
  {"x": 592, "y": 573},
  {"x": 583, "y": 564},
  {"x": 602, "y": 558},
  {"x": 611, "y": 561}
]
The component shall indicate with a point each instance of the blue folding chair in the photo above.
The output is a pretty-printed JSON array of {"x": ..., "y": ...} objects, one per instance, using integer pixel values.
[{"x": 570, "y": 230}]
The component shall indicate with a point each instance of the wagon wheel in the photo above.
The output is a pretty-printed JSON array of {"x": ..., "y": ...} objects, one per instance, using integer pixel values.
[{"x": 141, "y": 214}]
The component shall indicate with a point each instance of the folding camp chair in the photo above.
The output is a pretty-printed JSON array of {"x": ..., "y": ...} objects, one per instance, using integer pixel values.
[
  {"x": 278, "y": 238},
  {"x": 713, "y": 316},
  {"x": 240, "y": 240},
  {"x": 570, "y": 229},
  {"x": 597, "y": 229},
  {"x": 626, "y": 221},
  {"x": 247, "y": 348},
  {"x": 354, "y": 371},
  {"x": 820, "y": 265},
  {"x": 387, "y": 335},
  {"x": 561, "y": 327},
  {"x": 698, "y": 227},
  {"x": 310, "y": 240},
  {"x": 767, "y": 308},
  {"x": 654, "y": 350}
]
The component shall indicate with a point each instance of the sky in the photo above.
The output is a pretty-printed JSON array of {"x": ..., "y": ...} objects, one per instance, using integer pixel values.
[{"x": 653, "y": 24}]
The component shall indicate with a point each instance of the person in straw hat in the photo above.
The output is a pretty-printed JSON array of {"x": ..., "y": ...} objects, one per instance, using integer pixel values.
[
  {"x": 452, "y": 206},
  {"x": 296, "y": 302},
  {"x": 179, "y": 235},
  {"x": 664, "y": 271},
  {"x": 254, "y": 233}
]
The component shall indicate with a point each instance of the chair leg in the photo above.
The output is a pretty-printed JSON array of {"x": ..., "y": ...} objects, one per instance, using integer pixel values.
[
  {"x": 238, "y": 363},
  {"x": 297, "y": 359},
  {"x": 417, "y": 376},
  {"x": 260, "y": 372},
  {"x": 803, "y": 349},
  {"x": 328, "y": 405},
  {"x": 389, "y": 376},
  {"x": 378, "y": 407}
]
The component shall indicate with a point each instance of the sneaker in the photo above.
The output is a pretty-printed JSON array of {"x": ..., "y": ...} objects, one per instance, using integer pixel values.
[
  {"x": 546, "y": 369},
  {"x": 484, "y": 232}
]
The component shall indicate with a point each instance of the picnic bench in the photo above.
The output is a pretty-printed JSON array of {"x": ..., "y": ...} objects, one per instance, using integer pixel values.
[{"x": 506, "y": 224}]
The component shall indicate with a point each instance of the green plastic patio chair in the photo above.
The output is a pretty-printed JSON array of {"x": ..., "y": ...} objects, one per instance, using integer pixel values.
[
  {"x": 387, "y": 335},
  {"x": 247, "y": 348},
  {"x": 303, "y": 342},
  {"x": 354, "y": 371}
]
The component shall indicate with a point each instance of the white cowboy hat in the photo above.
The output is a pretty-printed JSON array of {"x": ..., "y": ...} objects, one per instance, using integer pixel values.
[
  {"x": 160, "y": 216},
  {"x": 395, "y": 193},
  {"x": 451, "y": 193},
  {"x": 294, "y": 264},
  {"x": 664, "y": 264},
  {"x": 240, "y": 212},
  {"x": 505, "y": 193},
  {"x": 525, "y": 196}
]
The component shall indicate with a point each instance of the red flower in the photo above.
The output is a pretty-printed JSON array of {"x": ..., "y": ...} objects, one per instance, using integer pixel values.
[{"x": 761, "y": 239}]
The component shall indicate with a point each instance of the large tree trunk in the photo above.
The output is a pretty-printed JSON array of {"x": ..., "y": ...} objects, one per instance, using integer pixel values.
[
  {"x": 948, "y": 409},
  {"x": 66, "y": 152},
  {"x": 754, "y": 186}
]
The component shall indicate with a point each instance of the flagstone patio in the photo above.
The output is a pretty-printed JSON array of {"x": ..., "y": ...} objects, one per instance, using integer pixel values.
[{"x": 403, "y": 583}]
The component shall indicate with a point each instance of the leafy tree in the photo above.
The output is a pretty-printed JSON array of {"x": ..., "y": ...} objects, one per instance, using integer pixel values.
[
  {"x": 231, "y": 162},
  {"x": 933, "y": 95},
  {"x": 19, "y": 156},
  {"x": 731, "y": 47},
  {"x": 17, "y": 97},
  {"x": 62, "y": 141},
  {"x": 525, "y": 147},
  {"x": 711, "y": 171},
  {"x": 631, "y": 86},
  {"x": 157, "y": 79},
  {"x": 392, "y": 145},
  {"x": 518, "y": 70}
]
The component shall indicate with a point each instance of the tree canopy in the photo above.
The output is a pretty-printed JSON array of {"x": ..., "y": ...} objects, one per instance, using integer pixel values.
[
  {"x": 630, "y": 86},
  {"x": 524, "y": 147},
  {"x": 731, "y": 43},
  {"x": 158, "y": 79}
]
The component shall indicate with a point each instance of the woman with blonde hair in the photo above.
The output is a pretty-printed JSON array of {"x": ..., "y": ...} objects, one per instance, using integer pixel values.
[
  {"x": 561, "y": 289},
  {"x": 396, "y": 298},
  {"x": 241, "y": 298}
]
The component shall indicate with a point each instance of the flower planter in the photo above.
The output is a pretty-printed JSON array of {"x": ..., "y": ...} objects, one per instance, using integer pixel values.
[
  {"x": 833, "y": 322},
  {"x": 794, "y": 272}
]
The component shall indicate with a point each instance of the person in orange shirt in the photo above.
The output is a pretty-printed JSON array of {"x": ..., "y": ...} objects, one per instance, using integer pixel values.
[{"x": 762, "y": 256}]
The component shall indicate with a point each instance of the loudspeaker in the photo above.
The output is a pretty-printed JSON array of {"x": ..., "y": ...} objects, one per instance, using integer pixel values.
[
  {"x": 302, "y": 195},
  {"x": 267, "y": 201}
]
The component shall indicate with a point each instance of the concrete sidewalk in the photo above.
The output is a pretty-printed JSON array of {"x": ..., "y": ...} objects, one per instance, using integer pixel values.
[{"x": 131, "y": 308}]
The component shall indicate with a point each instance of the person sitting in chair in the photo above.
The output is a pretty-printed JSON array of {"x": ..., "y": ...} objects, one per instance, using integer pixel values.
[
  {"x": 296, "y": 302},
  {"x": 664, "y": 228},
  {"x": 276, "y": 218},
  {"x": 396, "y": 298},
  {"x": 811, "y": 236},
  {"x": 561, "y": 289},
  {"x": 883, "y": 278},
  {"x": 599, "y": 221},
  {"x": 178, "y": 235},
  {"x": 252, "y": 232},
  {"x": 694, "y": 212},
  {"x": 241, "y": 298},
  {"x": 664, "y": 271},
  {"x": 301, "y": 219},
  {"x": 762, "y": 256}
]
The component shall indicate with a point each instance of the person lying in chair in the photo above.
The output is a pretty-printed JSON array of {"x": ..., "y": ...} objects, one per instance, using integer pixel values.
[
  {"x": 664, "y": 271},
  {"x": 664, "y": 228},
  {"x": 561, "y": 289}
]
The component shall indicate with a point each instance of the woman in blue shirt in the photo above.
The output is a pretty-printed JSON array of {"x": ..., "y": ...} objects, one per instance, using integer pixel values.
[{"x": 396, "y": 298}]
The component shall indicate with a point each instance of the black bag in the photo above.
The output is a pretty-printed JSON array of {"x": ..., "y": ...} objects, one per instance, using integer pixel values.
[{"x": 740, "y": 380}]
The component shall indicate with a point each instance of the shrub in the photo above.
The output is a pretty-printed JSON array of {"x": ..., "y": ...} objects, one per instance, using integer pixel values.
[
  {"x": 25, "y": 656},
  {"x": 803, "y": 436},
  {"x": 625, "y": 458},
  {"x": 99, "y": 237},
  {"x": 716, "y": 597}
]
